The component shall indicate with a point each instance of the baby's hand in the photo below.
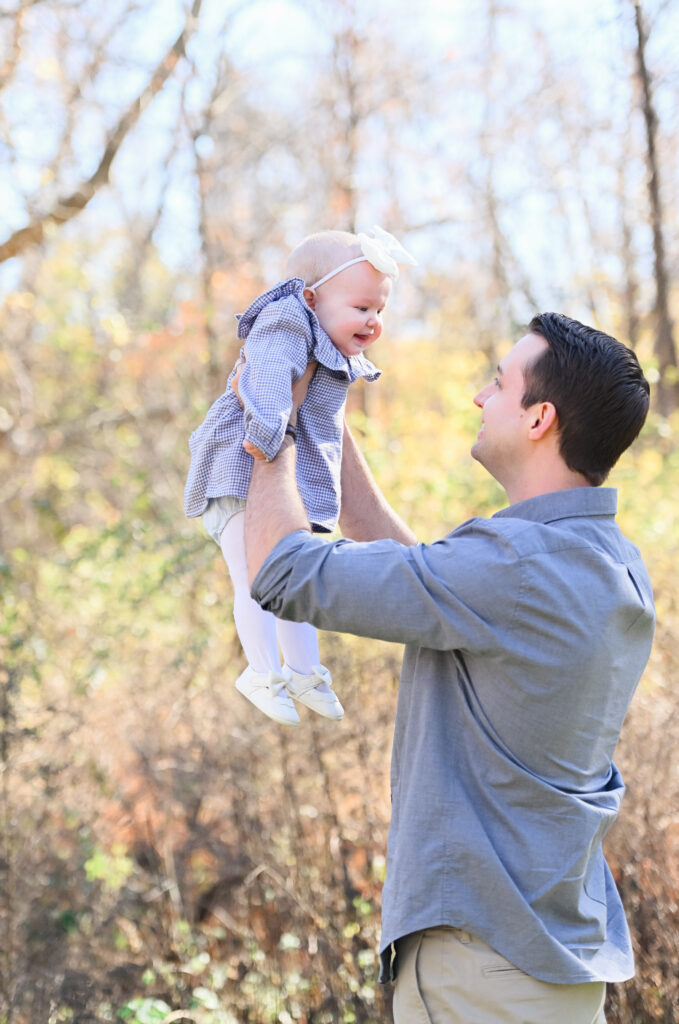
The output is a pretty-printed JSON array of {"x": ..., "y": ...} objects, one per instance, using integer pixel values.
[
  {"x": 253, "y": 450},
  {"x": 250, "y": 448},
  {"x": 299, "y": 390}
]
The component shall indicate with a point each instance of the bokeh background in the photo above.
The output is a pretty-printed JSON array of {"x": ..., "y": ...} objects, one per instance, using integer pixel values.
[{"x": 166, "y": 853}]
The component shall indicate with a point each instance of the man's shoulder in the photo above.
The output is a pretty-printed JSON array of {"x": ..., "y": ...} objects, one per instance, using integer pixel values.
[
  {"x": 549, "y": 536},
  {"x": 508, "y": 531}
]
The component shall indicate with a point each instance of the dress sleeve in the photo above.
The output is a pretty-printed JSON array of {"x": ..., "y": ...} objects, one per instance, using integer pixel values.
[
  {"x": 443, "y": 596},
  {"x": 277, "y": 353}
]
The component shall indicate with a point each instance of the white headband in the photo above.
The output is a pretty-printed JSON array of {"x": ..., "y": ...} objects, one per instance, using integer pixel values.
[{"x": 382, "y": 250}]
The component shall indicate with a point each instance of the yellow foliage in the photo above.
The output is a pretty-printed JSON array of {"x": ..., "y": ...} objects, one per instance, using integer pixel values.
[
  {"x": 20, "y": 300},
  {"x": 52, "y": 470},
  {"x": 117, "y": 328}
]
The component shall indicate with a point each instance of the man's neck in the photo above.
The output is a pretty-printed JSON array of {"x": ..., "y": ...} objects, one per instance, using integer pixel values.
[{"x": 544, "y": 483}]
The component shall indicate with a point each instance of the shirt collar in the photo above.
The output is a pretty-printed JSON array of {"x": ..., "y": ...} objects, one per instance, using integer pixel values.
[
  {"x": 325, "y": 352},
  {"x": 578, "y": 501}
]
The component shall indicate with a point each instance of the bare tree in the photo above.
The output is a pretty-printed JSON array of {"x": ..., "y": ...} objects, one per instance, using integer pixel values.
[{"x": 69, "y": 206}]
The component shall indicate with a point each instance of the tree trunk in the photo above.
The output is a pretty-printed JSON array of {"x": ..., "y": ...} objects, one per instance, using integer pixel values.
[
  {"x": 665, "y": 348},
  {"x": 630, "y": 295}
]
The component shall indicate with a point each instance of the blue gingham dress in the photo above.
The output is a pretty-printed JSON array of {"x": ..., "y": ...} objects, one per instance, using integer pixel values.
[{"x": 281, "y": 336}]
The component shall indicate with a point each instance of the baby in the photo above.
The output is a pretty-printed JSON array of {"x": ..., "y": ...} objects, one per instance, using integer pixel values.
[{"x": 328, "y": 311}]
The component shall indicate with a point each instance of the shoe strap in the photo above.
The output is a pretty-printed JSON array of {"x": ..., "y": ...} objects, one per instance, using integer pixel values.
[{"x": 302, "y": 683}]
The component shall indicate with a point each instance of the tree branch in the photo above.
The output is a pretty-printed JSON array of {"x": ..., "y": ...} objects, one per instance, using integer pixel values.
[{"x": 68, "y": 207}]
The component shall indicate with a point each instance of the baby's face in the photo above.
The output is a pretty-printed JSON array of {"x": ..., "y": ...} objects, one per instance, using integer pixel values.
[{"x": 349, "y": 307}]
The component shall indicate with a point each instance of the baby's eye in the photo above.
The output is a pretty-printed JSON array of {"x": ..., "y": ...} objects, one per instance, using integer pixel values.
[{"x": 362, "y": 309}]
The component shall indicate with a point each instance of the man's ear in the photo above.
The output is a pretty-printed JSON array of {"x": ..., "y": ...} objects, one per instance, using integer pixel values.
[
  {"x": 310, "y": 297},
  {"x": 542, "y": 418}
]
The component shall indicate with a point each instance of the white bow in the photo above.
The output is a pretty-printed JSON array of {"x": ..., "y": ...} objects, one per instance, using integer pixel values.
[
  {"x": 384, "y": 251},
  {"x": 381, "y": 250}
]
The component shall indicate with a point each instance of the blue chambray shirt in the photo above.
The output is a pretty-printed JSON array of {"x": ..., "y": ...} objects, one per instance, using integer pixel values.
[
  {"x": 526, "y": 635},
  {"x": 282, "y": 335}
]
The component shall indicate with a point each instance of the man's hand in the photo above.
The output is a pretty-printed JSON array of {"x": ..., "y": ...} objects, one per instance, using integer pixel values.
[
  {"x": 299, "y": 392},
  {"x": 235, "y": 381}
]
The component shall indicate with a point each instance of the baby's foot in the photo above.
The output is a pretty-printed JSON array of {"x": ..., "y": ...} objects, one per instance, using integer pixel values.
[
  {"x": 314, "y": 691},
  {"x": 267, "y": 691}
]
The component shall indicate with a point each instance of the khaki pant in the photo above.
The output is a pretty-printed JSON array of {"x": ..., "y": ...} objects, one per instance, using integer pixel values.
[{"x": 447, "y": 976}]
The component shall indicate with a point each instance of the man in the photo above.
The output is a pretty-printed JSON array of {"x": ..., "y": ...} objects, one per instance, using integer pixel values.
[{"x": 526, "y": 635}]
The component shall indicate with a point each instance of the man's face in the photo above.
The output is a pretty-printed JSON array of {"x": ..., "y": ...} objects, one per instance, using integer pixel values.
[
  {"x": 349, "y": 307},
  {"x": 502, "y": 443}
]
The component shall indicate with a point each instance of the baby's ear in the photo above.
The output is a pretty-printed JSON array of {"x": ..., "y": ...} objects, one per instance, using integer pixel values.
[{"x": 310, "y": 297}]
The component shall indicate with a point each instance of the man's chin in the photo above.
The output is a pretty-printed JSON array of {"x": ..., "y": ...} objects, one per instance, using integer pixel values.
[{"x": 477, "y": 454}]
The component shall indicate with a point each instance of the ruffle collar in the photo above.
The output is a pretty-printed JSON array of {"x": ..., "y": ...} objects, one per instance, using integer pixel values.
[{"x": 324, "y": 351}]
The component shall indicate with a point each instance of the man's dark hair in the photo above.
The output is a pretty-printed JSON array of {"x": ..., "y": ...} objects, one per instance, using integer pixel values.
[{"x": 597, "y": 387}]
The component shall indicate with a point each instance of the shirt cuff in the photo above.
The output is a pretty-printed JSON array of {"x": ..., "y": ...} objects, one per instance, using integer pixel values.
[
  {"x": 268, "y": 586},
  {"x": 268, "y": 444}
]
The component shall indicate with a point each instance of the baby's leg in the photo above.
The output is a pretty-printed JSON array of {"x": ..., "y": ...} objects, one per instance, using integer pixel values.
[
  {"x": 299, "y": 643},
  {"x": 256, "y": 628},
  {"x": 308, "y": 681}
]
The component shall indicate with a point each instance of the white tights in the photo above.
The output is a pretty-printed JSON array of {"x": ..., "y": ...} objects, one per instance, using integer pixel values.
[{"x": 260, "y": 632}]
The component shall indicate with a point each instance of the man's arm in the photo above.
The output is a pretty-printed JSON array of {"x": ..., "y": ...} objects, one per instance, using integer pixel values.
[
  {"x": 436, "y": 595},
  {"x": 274, "y": 508},
  {"x": 365, "y": 513}
]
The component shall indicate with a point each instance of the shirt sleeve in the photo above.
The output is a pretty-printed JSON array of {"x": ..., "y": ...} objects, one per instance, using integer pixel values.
[
  {"x": 276, "y": 355},
  {"x": 443, "y": 596}
]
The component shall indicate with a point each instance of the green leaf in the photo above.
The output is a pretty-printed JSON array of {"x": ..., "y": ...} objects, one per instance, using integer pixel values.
[{"x": 144, "y": 1011}]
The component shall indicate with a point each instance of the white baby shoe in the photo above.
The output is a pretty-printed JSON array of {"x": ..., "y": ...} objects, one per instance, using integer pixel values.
[
  {"x": 304, "y": 688},
  {"x": 267, "y": 692}
]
